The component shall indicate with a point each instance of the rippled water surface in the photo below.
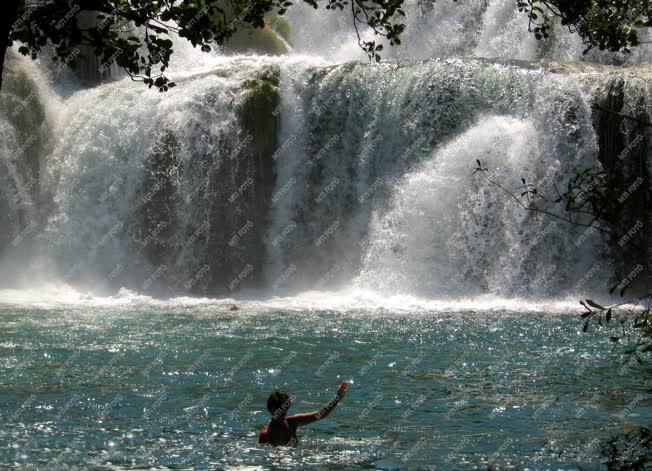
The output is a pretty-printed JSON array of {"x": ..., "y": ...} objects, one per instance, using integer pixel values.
[{"x": 147, "y": 384}]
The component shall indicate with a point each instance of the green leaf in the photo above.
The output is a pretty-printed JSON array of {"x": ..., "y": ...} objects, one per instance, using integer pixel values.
[{"x": 592, "y": 303}]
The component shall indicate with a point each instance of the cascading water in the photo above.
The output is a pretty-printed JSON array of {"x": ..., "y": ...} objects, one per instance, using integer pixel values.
[
  {"x": 478, "y": 241},
  {"x": 290, "y": 174},
  {"x": 151, "y": 189},
  {"x": 377, "y": 167}
]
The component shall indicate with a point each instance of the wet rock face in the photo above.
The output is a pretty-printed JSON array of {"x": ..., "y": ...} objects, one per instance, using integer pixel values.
[
  {"x": 625, "y": 149},
  {"x": 159, "y": 200},
  {"x": 240, "y": 215}
]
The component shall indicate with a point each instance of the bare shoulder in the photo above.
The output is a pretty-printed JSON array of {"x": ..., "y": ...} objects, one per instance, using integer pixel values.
[{"x": 263, "y": 437}]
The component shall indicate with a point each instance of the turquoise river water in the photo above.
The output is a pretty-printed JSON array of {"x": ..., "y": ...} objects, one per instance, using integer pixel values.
[{"x": 130, "y": 383}]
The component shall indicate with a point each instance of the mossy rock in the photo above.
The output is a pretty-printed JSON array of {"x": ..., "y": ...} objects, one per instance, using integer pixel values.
[
  {"x": 256, "y": 108},
  {"x": 260, "y": 40},
  {"x": 281, "y": 26},
  {"x": 260, "y": 95}
]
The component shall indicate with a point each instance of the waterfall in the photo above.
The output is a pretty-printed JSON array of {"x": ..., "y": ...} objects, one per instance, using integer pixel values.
[
  {"x": 377, "y": 170},
  {"x": 478, "y": 240},
  {"x": 289, "y": 174},
  {"x": 151, "y": 188}
]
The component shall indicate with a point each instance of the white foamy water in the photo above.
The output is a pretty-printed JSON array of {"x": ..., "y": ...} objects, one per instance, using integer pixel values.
[
  {"x": 59, "y": 296},
  {"x": 472, "y": 234}
]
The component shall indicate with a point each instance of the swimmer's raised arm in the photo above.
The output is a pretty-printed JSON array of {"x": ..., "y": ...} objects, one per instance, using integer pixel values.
[{"x": 298, "y": 420}]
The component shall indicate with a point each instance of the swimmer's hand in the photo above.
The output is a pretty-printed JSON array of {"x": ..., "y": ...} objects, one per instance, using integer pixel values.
[
  {"x": 342, "y": 390},
  {"x": 299, "y": 420}
]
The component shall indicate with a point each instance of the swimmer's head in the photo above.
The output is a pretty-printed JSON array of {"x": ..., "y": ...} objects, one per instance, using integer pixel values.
[{"x": 278, "y": 404}]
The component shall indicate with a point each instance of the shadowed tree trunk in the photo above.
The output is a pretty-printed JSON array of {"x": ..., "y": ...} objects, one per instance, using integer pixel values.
[{"x": 8, "y": 15}]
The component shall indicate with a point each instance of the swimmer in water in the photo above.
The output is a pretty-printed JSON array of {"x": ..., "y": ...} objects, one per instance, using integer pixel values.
[{"x": 282, "y": 429}]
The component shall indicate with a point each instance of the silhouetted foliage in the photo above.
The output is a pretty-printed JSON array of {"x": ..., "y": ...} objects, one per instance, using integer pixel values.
[
  {"x": 604, "y": 24},
  {"x": 630, "y": 451}
]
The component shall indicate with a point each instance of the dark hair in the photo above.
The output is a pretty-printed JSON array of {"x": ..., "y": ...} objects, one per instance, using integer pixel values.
[{"x": 278, "y": 403}]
